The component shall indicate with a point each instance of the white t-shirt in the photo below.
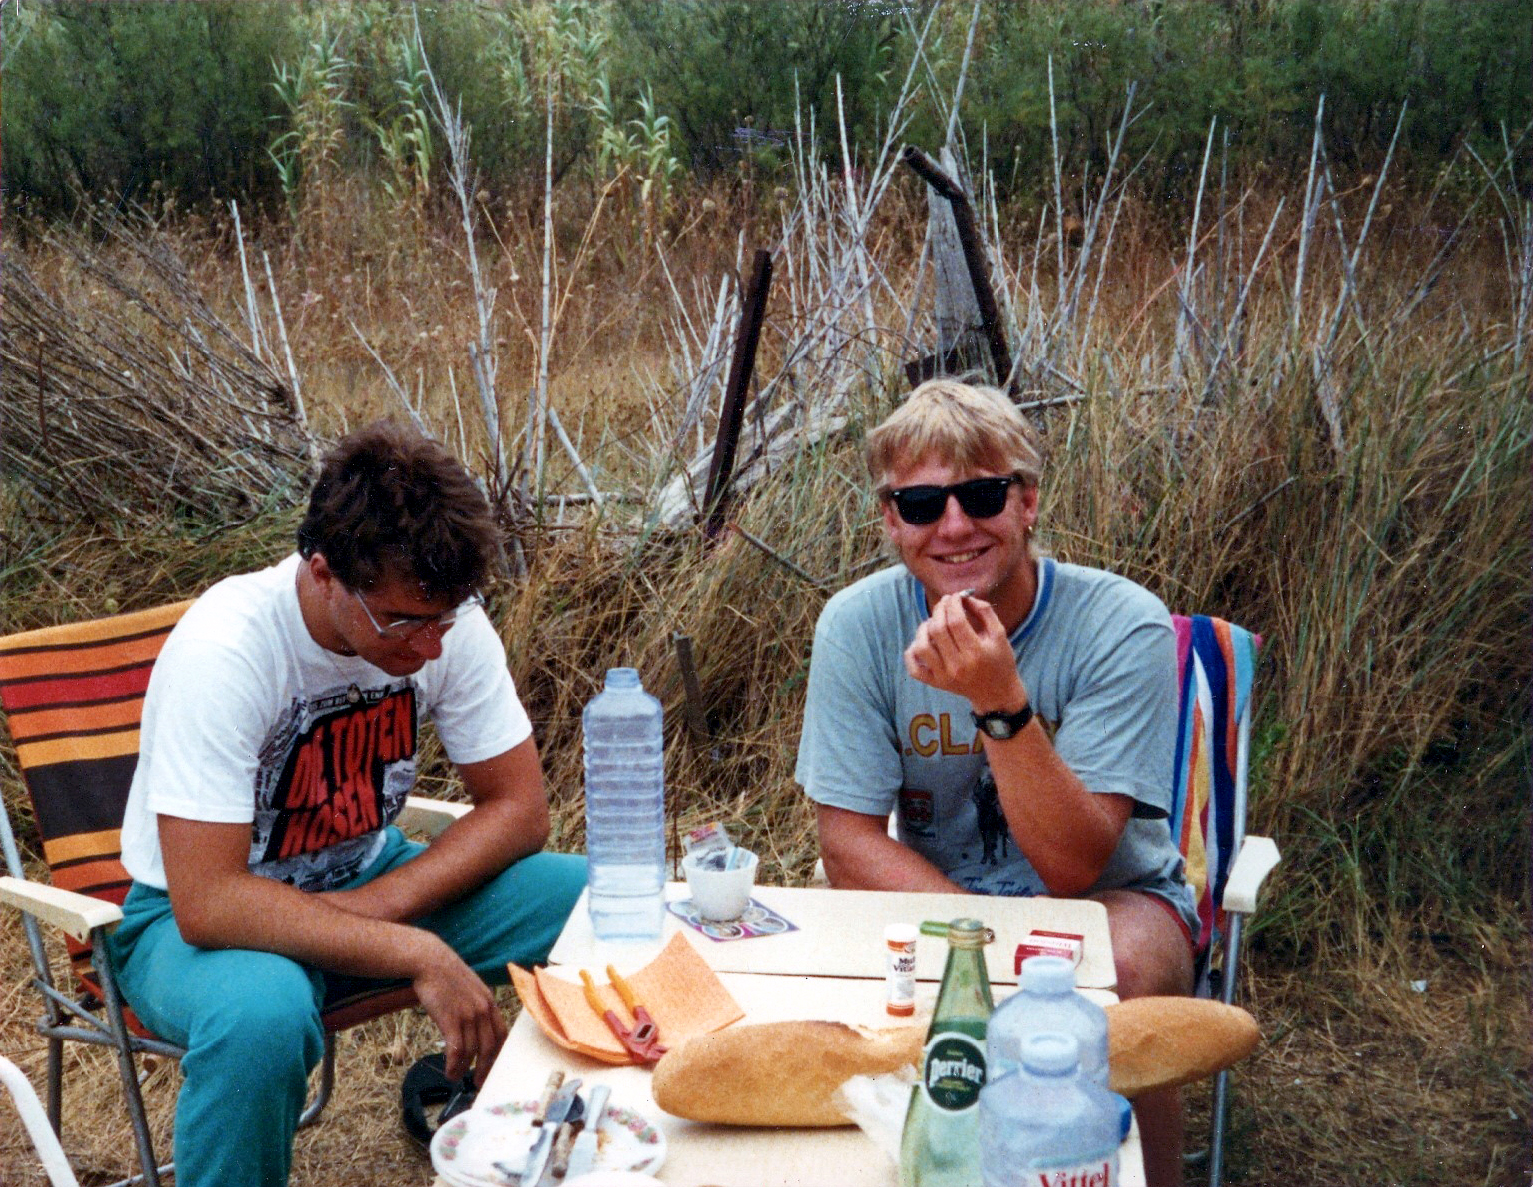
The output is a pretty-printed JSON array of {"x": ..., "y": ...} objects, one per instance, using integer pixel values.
[{"x": 247, "y": 720}]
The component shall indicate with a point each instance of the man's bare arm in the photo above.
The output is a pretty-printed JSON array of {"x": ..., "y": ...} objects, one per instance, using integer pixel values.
[
  {"x": 219, "y": 903},
  {"x": 1066, "y": 832},
  {"x": 509, "y": 821},
  {"x": 860, "y": 854}
]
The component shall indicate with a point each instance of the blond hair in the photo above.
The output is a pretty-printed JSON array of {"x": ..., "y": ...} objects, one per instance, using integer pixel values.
[{"x": 967, "y": 426}]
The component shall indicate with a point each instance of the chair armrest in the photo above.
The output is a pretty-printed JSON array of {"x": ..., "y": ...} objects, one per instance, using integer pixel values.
[
  {"x": 1253, "y": 863},
  {"x": 77, "y": 914},
  {"x": 424, "y": 815}
]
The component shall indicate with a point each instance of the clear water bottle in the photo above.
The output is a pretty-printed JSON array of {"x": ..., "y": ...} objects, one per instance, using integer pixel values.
[
  {"x": 625, "y": 809},
  {"x": 1046, "y": 1000},
  {"x": 1044, "y": 1123}
]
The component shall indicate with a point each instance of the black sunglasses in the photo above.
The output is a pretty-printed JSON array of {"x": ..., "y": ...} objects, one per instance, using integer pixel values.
[{"x": 979, "y": 498}]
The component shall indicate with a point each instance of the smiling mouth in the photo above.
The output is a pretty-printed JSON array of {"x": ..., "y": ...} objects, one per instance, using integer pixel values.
[{"x": 960, "y": 558}]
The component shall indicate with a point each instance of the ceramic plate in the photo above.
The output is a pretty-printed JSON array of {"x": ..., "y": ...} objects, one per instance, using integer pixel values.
[{"x": 465, "y": 1150}]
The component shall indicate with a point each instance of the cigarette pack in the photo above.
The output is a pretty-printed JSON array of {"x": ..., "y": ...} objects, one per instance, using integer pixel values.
[{"x": 1050, "y": 943}]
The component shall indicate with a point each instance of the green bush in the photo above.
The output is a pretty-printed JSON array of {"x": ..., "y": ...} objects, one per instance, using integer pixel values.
[
  {"x": 111, "y": 98},
  {"x": 108, "y": 99},
  {"x": 1460, "y": 71},
  {"x": 718, "y": 66}
]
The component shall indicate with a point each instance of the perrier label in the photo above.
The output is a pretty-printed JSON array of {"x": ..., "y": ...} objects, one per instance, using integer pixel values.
[
  {"x": 953, "y": 1071},
  {"x": 940, "y": 1143}
]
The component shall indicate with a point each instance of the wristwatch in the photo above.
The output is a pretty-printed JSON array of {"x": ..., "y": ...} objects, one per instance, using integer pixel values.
[{"x": 1001, "y": 726}]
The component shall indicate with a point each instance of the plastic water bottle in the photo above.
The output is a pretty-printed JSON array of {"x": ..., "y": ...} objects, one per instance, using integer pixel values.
[
  {"x": 1046, "y": 1000},
  {"x": 625, "y": 809},
  {"x": 1044, "y": 1124}
]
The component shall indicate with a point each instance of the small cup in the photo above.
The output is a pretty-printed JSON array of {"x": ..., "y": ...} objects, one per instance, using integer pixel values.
[{"x": 720, "y": 895}]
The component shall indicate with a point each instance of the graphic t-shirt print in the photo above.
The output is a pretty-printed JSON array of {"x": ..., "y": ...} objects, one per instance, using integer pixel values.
[{"x": 334, "y": 772}]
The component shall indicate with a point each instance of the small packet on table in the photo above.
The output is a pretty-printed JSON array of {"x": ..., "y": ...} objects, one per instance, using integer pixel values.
[
  {"x": 1050, "y": 943},
  {"x": 710, "y": 848}
]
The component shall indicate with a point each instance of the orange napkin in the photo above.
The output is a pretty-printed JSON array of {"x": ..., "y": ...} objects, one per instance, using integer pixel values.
[{"x": 683, "y": 995}]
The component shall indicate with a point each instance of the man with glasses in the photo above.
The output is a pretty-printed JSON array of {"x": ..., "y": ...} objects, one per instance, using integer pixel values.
[
  {"x": 1016, "y": 714},
  {"x": 281, "y": 735}
]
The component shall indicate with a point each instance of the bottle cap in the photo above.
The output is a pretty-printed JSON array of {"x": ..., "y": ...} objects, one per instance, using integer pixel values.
[
  {"x": 960, "y": 933},
  {"x": 1051, "y": 1053},
  {"x": 901, "y": 933},
  {"x": 1047, "y": 974}
]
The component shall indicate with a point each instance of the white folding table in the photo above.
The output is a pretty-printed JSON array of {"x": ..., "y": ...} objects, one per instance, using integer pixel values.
[{"x": 832, "y": 968}]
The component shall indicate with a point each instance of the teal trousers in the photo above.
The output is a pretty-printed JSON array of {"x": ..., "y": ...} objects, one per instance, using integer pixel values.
[{"x": 250, "y": 1021}]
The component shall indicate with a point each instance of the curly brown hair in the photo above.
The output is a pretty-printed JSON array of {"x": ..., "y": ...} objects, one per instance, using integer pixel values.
[{"x": 390, "y": 503}]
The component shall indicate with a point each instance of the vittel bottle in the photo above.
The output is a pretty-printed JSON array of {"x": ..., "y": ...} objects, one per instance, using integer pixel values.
[
  {"x": 1043, "y": 1124},
  {"x": 1046, "y": 1000},
  {"x": 940, "y": 1143},
  {"x": 625, "y": 809}
]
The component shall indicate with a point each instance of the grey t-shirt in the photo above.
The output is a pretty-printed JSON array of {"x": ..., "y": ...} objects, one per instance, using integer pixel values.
[{"x": 1097, "y": 655}]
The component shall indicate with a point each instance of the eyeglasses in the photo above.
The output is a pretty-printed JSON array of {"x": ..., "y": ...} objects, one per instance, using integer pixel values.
[
  {"x": 979, "y": 498},
  {"x": 408, "y": 628}
]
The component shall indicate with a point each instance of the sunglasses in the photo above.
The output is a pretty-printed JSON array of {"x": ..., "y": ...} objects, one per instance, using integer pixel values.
[
  {"x": 407, "y": 628},
  {"x": 978, "y": 498}
]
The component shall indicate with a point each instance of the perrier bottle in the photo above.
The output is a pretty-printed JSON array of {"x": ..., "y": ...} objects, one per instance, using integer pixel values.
[{"x": 940, "y": 1144}]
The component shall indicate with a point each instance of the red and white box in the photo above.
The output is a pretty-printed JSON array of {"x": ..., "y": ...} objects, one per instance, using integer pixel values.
[{"x": 1050, "y": 943}]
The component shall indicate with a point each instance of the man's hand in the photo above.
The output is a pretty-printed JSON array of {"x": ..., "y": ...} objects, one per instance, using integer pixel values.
[
  {"x": 463, "y": 1008},
  {"x": 962, "y": 648}
]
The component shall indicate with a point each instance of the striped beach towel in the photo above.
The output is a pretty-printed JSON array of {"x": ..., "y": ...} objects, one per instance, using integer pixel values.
[
  {"x": 73, "y": 697},
  {"x": 1216, "y": 664}
]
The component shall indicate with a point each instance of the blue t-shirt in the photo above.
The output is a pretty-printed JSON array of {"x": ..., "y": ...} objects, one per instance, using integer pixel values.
[{"x": 1097, "y": 656}]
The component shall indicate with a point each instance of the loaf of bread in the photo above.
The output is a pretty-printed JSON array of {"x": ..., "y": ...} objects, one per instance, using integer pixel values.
[
  {"x": 1159, "y": 1042},
  {"x": 777, "y": 1073},
  {"x": 786, "y": 1073}
]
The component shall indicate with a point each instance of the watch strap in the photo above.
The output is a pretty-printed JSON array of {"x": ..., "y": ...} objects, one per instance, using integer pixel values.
[{"x": 1001, "y": 726}]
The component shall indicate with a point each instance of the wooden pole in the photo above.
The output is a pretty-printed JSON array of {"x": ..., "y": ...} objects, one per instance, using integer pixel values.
[
  {"x": 752, "y": 312},
  {"x": 974, "y": 257},
  {"x": 697, "y": 718}
]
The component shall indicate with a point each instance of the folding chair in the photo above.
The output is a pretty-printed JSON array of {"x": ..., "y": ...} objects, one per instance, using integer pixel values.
[
  {"x": 72, "y": 697},
  {"x": 35, "y": 1122},
  {"x": 1216, "y": 665}
]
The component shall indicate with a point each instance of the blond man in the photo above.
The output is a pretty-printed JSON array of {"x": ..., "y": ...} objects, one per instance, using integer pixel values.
[{"x": 1016, "y": 714}]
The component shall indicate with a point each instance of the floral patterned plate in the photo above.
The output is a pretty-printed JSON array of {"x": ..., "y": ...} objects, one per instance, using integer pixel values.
[{"x": 487, "y": 1146}]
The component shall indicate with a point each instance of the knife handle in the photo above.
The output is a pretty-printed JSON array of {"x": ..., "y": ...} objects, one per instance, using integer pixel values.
[
  {"x": 559, "y": 1161},
  {"x": 555, "y": 1078}
]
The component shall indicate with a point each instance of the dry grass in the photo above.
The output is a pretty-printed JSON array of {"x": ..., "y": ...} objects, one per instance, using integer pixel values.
[{"x": 1389, "y": 576}]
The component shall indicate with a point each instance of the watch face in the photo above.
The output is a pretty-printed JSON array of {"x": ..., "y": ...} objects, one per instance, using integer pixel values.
[{"x": 1002, "y": 726}]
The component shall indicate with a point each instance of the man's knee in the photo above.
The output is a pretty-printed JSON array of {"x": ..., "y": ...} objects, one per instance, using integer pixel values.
[
  {"x": 1151, "y": 952},
  {"x": 262, "y": 1017}
]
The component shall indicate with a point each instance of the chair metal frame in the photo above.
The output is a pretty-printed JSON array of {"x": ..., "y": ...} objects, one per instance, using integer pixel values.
[{"x": 103, "y": 1020}]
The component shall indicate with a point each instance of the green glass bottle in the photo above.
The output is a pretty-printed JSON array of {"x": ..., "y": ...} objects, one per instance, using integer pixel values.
[{"x": 940, "y": 1143}]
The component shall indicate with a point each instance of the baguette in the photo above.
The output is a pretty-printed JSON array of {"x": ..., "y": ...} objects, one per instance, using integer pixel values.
[
  {"x": 777, "y": 1073},
  {"x": 786, "y": 1073},
  {"x": 1160, "y": 1042}
]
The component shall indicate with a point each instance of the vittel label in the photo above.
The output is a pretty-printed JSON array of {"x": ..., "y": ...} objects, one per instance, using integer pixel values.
[
  {"x": 953, "y": 1071},
  {"x": 1099, "y": 1172}
]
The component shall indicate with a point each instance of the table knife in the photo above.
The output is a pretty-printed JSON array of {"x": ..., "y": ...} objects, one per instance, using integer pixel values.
[
  {"x": 558, "y": 1110},
  {"x": 583, "y": 1153}
]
